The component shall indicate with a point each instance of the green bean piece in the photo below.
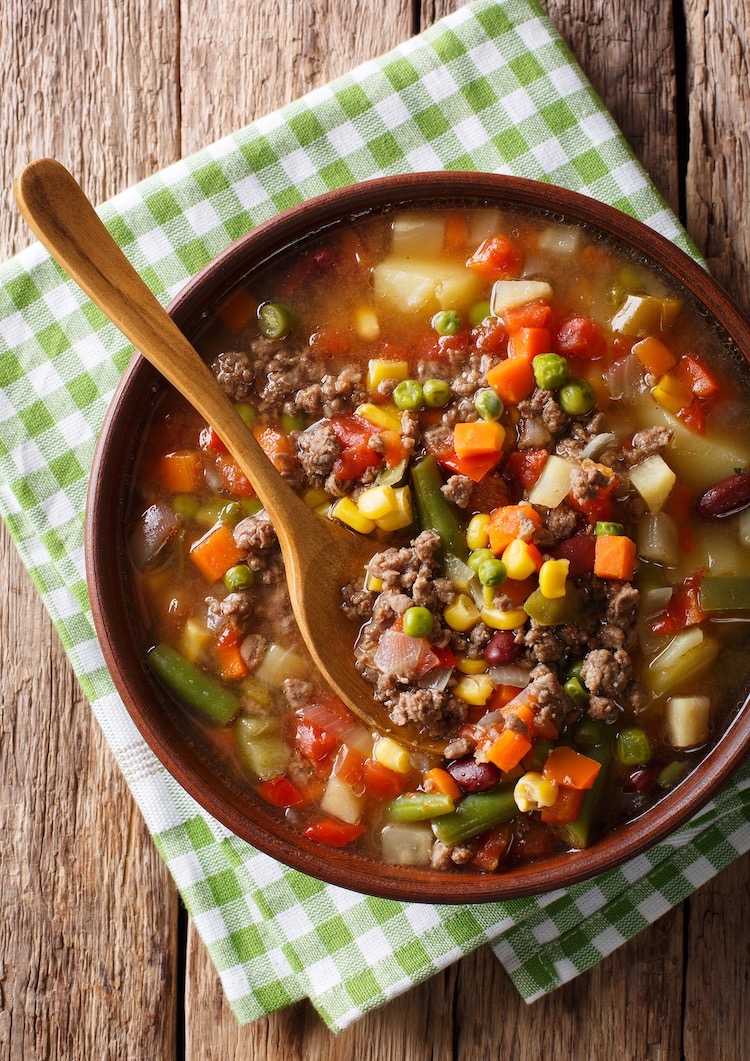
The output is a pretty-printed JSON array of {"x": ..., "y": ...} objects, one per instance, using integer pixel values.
[
  {"x": 274, "y": 320},
  {"x": 615, "y": 529},
  {"x": 191, "y": 684},
  {"x": 419, "y": 806},
  {"x": 408, "y": 395},
  {"x": 434, "y": 511},
  {"x": 575, "y": 689},
  {"x": 488, "y": 404},
  {"x": 479, "y": 313},
  {"x": 436, "y": 392},
  {"x": 478, "y": 557},
  {"x": 218, "y": 510},
  {"x": 447, "y": 322},
  {"x": 552, "y": 612},
  {"x": 577, "y": 833},
  {"x": 186, "y": 505},
  {"x": 725, "y": 593},
  {"x": 574, "y": 670},
  {"x": 671, "y": 774},
  {"x": 239, "y": 577},
  {"x": 576, "y": 397},
  {"x": 293, "y": 423},
  {"x": 537, "y": 757},
  {"x": 550, "y": 371},
  {"x": 476, "y": 814},
  {"x": 633, "y": 746},
  {"x": 248, "y": 412},
  {"x": 589, "y": 732},
  {"x": 418, "y": 622},
  {"x": 492, "y": 572}
]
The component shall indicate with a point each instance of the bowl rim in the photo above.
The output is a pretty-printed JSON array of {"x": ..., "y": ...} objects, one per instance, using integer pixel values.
[{"x": 257, "y": 824}]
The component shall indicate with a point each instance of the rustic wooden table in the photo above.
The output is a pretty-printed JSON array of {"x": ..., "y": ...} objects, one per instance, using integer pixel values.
[{"x": 96, "y": 959}]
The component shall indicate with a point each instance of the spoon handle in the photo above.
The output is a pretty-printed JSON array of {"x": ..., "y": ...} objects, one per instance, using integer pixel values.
[{"x": 59, "y": 213}]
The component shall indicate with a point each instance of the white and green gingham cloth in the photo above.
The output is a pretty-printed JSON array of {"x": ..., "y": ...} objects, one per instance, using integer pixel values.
[{"x": 492, "y": 87}]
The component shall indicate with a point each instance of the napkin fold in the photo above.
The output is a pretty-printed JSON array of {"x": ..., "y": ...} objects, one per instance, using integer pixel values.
[{"x": 492, "y": 87}]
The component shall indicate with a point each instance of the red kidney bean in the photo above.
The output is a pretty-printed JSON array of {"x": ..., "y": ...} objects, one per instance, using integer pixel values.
[
  {"x": 501, "y": 649},
  {"x": 579, "y": 551},
  {"x": 471, "y": 776},
  {"x": 727, "y": 498},
  {"x": 640, "y": 778}
]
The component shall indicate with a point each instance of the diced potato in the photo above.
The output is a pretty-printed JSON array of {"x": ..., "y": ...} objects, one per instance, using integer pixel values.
[
  {"x": 462, "y": 614},
  {"x": 280, "y": 663},
  {"x": 379, "y": 370},
  {"x": 407, "y": 845},
  {"x": 642, "y": 315},
  {"x": 341, "y": 801},
  {"x": 687, "y": 720},
  {"x": 402, "y": 515},
  {"x": 654, "y": 480},
  {"x": 196, "y": 637},
  {"x": 316, "y": 496},
  {"x": 474, "y": 689},
  {"x": 510, "y": 294},
  {"x": 553, "y": 485},
  {"x": 717, "y": 547},
  {"x": 415, "y": 285},
  {"x": 417, "y": 235},
  {"x": 677, "y": 663},
  {"x": 560, "y": 239},
  {"x": 366, "y": 323},
  {"x": 483, "y": 225}
]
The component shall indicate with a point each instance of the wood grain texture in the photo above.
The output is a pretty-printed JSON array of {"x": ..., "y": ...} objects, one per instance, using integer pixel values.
[{"x": 88, "y": 926}]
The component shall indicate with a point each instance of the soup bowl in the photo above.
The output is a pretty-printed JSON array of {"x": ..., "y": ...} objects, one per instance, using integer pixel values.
[{"x": 117, "y": 610}]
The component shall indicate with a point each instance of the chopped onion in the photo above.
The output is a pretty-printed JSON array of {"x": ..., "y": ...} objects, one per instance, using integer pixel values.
[
  {"x": 213, "y": 478},
  {"x": 655, "y": 600},
  {"x": 323, "y": 715},
  {"x": 597, "y": 445},
  {"x": 624, "y": 378},
  {"x": 535, "y": 434},
  {"x": 437, "y": 679},
  {"x": 680, "y": 644},
  {"x": 157, "y": 525},
  {"x": 458, "y": 572},
  {"x": 518, "y": 677},
  {"x": 398, "y": 654},
  {"x": 659, "y": 539}
]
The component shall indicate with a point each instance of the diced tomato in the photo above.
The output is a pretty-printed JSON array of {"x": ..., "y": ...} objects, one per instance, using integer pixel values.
[
  {"x": 395, "y": 451},
  {"x": 234, "y": 478},
  {"x": 693, "y": 417},
  {"x": 381, "y": 783},
  {"x": 314, "y": 264},
  {"x": 694, "y": 374},
  {"x": 209, "y": 440},
  {"x": 489, "y": 336},
  {"x": 684, "y": 608},
  {"x": 348, "y": 765},
  {"x": 497, "y": 258},
  {"x": 579, "y": 552},
  {"x": 580, "y": 337},
  {"x": 491, "y": 848},
  {"x": 448, "y": 345},
  {"x": 280, "y": 792},
  {"x": 536, "y": 314},
  {"x": 352, "y": 430},
  {"x": 520, "y": 590},
  {"x": 333, "y": 833},
  {"x": 354, "y": 461},
  {"x": 679, "y": 506},
  {"x": 537, "y": 842},
  {"x": 566, "y": 808},
  {"x": 275, "y": 443},
  {"x": 490, "y": 493},
  {"x": 523, "y": 467},
  {"x": 445, "y": 657},
  {"x": 332, "y": 342},
  {"x": 313, "y": 741},
  {"x": 597, "y": 508},
  {"x": 475, "y": 468}
]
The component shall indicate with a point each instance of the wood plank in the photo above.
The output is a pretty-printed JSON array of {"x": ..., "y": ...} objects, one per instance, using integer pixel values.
[{"x": 87, "y": 936}]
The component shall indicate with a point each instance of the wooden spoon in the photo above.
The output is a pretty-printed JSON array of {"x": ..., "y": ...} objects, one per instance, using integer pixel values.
[{"x": 320, "y": 556}]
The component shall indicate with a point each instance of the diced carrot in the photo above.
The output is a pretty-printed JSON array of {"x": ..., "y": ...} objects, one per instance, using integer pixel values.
[
  {"x": 478, "y": 439},
  {"x": 509, "y": 749},
  {"x": 233, "y": 666},
  {"x": 512, "y": 379},
  {"x": 654, "y": 355},
  {"x": 614, "y": 557},
  {"x": 501, "y": 695},
  {"x": 456, "y": 231},
  {"x": 536, "y": 314},
  {"x": 395, "y": 450},
  {"x": 275, "y": 444},
  {"x": 443, "y": 782},
  {"x": 566, "y": 808},
  {"x": 496, "y": 259},
  {"x": 694, "y": 374},
  {"x": 475, "y": 468},
  {"x": 505, "y": 524},
  {"x": 570, "y": 768},
  {"x": 215, "y": 552},
  {"x": 180, "y": 473},
  {"x": 381, "y": 783},
  {"x": 237, "y": 311},
  {"x": 491, "y": 847},
  {"x": 529, "y": 342}
]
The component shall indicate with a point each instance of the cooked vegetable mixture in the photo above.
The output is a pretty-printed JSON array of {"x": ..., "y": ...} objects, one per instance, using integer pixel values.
[{"x": 544, "y": 442}]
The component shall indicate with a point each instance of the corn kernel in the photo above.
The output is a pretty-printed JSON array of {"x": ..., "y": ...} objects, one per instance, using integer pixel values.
[
  {"x": 402, "y": 515},
  {"x": 499, "y": 620},
  {"x": 316, "y": 496},
  {"x": 366, "y": 323},
  {"x": 377, "y": 502},
  {"x": 195, "y": 640},
  {"x": 519, "y": 560},
  {"x": 553, "y": 575},
  {"x": 672, "y": 394},
  {"x": 477, "y": 536},
  {"x": 346, "y": 512},
  {"x": 395, "y": 756},
  {"x": 379, "y": 370},
  {"x": 470, "y": 666},
  {"x": 384, "y": 416},
  {"x": 474, "y": 689},
  {"x": 462, "y": 614},
  {"x": 373, "y": 584},
  {"x": 532, "y": 792},
  {"x": 324, "y": 509}
]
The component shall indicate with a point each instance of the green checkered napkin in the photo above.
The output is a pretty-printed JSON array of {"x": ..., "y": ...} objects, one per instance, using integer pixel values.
[{"x": 494, "y": 88}]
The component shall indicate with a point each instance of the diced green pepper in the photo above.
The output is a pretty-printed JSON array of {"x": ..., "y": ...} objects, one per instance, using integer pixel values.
[
  {"x": 671, "y": 774},
  {"x": 725, "y": 593},
  {"x": 589, "y": 732},
  {"x": 552, "y": 612},
  {"x": 191, "y": 684},
  {"x": 634, "y": 747},
  {"x": 476, "y": 814},
  {"x": 419, "y": 806},
  {"x": 186, "y": 505}
]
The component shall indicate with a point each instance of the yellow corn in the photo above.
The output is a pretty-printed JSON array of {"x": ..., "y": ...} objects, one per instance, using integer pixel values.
[
  {"x": 402, "y": 515},
  {"x": 366, "y": 323},
  {"x": 470, "y": 666},
  {"x": 532, "y": 792},
  {"x": 377, "y": 502},
  {"x": 474, "y": 689},
  {"x": 553, "y": 575},
  {"x": 395, "y": 756},
  {"x": 373, "y": 584},
  {"x": 500, "y": 620},
  {"x": 385, "y": 416},
  {"x": 519, "y": 560},
  {"x": 672, "y": 394},
  {"x": 346, "y": 512},
  {"x": 324, "y": 509},
  {"x": 195, "y": 640},
  {"x": 462, "y": 614},
  {"x": 476, "y": 533},
  {"x": 380, "y": 370},
  {"x": 316, "y": 496}
]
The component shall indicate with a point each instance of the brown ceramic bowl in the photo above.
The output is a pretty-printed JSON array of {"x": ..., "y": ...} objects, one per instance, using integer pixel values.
[{"x": 117, "y": 617}]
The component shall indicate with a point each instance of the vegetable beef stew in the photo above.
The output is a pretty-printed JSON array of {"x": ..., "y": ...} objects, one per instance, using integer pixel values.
[{"x": 544, "y": 442}]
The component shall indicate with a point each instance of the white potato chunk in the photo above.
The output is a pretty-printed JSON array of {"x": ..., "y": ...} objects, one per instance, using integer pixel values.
[
  {"x": 510, "y": 294},
  {"x": 654, "y": 480},
  {"x": 417, "y": 235},
  {"x": 553, "y": 485},
  {"x": 413, "y": 285},
  {"x": 341, "y": 801},
  {"x": 687, "y": 720},
  {"x": 560, "y": 239},
  {"x": 407, "y": 845}
]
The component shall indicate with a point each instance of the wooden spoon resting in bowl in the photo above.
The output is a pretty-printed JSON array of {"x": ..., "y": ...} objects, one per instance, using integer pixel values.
[{"x": 319, "y": 555}]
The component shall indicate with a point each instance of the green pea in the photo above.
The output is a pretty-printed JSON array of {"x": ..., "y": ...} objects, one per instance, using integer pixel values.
[
  {"x": 615, "y": 529},
  {"x": 447, "y": 322},
  {"x": 436, "y": 392},
  {"x": 574, "y": 670},
  {"x": 550, "y": 371},
  {"x": 186, "y": 505},
  {"x": 491, "y": 572},
  {"x": 418, "y": 622},
  {"x": 293, "y": 423},
  {"x": 633, "y": 746},
  {"x": 248, "y": 412},
  {"x": 409, "y": 395},
  {"x": 239, "y": 577},
  {"x": 479, "y": 312},
  {"x": 478, "y": 557},
  {"x": 577, "y": 397},
  {"x": 575, "y": 690},
  {"x": 488, "y": 404},
  {"x": 672, "y": 773},
  {"x": 274, "y": 320}
]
